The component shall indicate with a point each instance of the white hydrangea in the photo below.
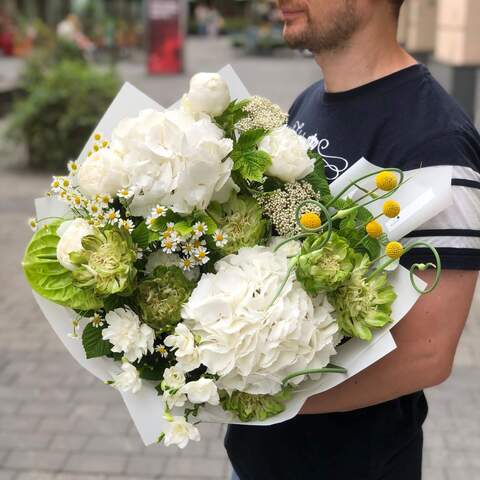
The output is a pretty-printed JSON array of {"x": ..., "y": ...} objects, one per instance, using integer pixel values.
[
  {"x": 173, "y": 159},
  {"x": 71, "y": 234},
  {"x": 289, "y": 152},
  {"x": 180, "y": 432},
  {"x": 127, "y": 334},
  {"x": 250, "y": 346},
  {"x": 129, "y": 380}
]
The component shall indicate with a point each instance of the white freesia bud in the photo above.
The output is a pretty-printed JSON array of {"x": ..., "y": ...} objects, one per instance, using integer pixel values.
[
  {"x": 289, "y": 152},
  {"x": 173, "y": 378},
  {"x": 208, "y": 93},
  {"x": 129, "y": 380},
  {"x": 180, "y": 432},
  {"x": 71, "y": 234},
  {"x": 203, "y": 390},
  {"x": 127, "y": 334},
  {"x": 103, "y": 172}
]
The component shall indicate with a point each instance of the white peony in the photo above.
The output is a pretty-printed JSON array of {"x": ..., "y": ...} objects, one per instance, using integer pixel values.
[
  {"x": 173, "y": 378},
  {"x": 203, "y": 390},
  {"x": 129, "y": 380},
  {"x": 180, "y": 432},
  {"x": 250, "y": 346},
  {"x": 127, "y": 334},
  {"x": 71, "y": 234},
  {"x": 209, "y": 93},
  {"x": 103, "y": 172},
  {"x": 173, "y": 159},
  {"x": 289, "y": 152}
]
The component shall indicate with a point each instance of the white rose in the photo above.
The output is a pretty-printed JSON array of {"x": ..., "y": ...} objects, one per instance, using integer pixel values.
[
  {"x": 103, "y": 172},
  {"x": 182, "y": 341},
  {"x": 289, "y": 152},
  {"x": 203, "y": 390},
  {"x": 209, "y": 93},
  {"x": 180, "y": 432},
  {"x": 127, "y": 334},
  {"x": 129, "y": 380},
  {"x": 71, "y": 234},
  {"x": 173, "y": 378}
]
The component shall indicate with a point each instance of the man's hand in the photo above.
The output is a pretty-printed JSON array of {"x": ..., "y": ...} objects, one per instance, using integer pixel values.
[{"x": 427, "y": 338}]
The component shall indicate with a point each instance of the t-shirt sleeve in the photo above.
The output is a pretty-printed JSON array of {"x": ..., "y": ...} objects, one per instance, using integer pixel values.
[{"x": 455, "y": 232}]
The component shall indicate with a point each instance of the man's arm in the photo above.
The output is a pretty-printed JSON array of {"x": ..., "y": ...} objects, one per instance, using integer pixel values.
[{"x": 427, "y": 338}]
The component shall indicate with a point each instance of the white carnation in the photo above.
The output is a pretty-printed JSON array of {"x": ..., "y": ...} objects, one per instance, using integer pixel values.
[
  {"x": 250, "y": 346},
  {"x": 71, "y": 234},
  {"x": 203, "y": 390},
  {"x": 103, "y": 172},
  {"x": 180, "y": 432},
  {"x": 127, "y": 334},
  {"x": 289, "y": 152},
  {"x": 173, "y": 159},
  {"x": 129, "y": 380},
  {"x": 209, "y": 93}
]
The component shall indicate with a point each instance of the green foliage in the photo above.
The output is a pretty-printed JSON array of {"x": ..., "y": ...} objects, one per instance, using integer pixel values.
[
  {"x": 50, "y": 279},
  {"x": 93, "y": 343},
  {"x": 143, "y": 236},
  {"x": 317, "y": 178},
  {"x": 233, "y": 114},
  {"x": 61, "y": 109}
]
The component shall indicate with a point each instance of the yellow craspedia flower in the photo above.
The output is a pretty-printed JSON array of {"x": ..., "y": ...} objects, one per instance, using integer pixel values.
[
  {"x": 310, "y": 220},
  {"x": 391, "y": 208},
  {"x": 374, "y": 229},
  {"x": 394, "y": 250},
  {"x": 386, "y": 181}
]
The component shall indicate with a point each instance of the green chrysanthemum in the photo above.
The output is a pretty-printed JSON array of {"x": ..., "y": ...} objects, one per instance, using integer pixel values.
[
  {"x": 160, "y": 296},
  {"x": 241, "y": 220},
  {"x": 326, "y": 268},
  {"x": 248, "y": 407},
  {"x": 106, "y": 262},
  {"x": 363, "y": 304}
]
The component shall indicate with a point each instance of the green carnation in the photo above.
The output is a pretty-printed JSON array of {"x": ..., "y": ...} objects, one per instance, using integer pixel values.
[
  {"x": 363, "y": 304},
  {"x": 248, "y": 407},
  {"x": 242, "y": 222},
  {"x": 326, "y": 268},
  {"x": 106, "y": 262},
  {"x": 160, "y": 296}
]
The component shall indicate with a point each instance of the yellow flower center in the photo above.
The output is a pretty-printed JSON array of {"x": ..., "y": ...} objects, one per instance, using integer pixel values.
[
  {"x": 97, "y": 137},
  {"x": 391, "y": 208},
  {"x": 386, "y": 181},
  {"x": 374, "y": 229},
  {"x": 394, "y": 250},
  {"x": 310, "y": 220}
]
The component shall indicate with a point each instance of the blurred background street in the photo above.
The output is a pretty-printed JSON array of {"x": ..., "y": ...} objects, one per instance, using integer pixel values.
[{"x": 56, "y": 420}]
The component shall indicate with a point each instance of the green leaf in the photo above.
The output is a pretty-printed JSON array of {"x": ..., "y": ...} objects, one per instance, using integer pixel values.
[
  {"x": 250, "y": 139},
  {"x": 143, "y": 236},
  {"x": 93, "y": 343},
  {"x": 183, "y": 228},
  {"x": 233, "y": 114},
  {"x": 50, "y": 279},
  {"x": 152, "y": 372},
  {"x": 372, "y": 247},
  {"x": 317, "y": 178},
  {"x": 252, "y": 165}
]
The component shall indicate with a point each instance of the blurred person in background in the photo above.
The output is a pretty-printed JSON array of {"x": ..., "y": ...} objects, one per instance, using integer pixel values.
[
  {"x": 70, "y": 30},
  {"x": 201, "y": 15}
]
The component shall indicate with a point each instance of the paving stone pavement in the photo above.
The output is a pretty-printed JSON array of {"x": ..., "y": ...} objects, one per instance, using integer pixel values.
[{"x": 58, "y": 422}]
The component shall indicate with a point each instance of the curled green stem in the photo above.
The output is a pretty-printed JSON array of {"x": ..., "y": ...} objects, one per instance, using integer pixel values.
[{"x": 330, "y": 368}]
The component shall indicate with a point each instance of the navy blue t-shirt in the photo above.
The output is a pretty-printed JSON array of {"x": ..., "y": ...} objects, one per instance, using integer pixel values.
[{"x": 405, "y": 120}]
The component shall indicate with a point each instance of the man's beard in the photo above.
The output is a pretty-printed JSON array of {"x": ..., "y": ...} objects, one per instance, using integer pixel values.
[{"x": 331, "y": 35}]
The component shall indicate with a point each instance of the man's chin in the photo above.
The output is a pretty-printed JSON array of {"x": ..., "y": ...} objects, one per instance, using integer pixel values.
[{"x": 294, "y": 39}]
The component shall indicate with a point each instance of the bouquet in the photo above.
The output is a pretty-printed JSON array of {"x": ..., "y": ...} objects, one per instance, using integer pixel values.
[{"x": 208, "y": 269}]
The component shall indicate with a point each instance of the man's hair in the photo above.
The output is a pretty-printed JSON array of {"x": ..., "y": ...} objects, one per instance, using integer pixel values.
[{"x": 397, "y": 5}]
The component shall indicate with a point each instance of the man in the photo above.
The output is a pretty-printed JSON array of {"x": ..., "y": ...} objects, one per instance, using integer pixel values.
[{"x": 377, "y": 102}]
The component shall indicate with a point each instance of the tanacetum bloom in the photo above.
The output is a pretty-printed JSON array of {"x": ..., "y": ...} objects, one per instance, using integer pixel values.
[
  {"x": 32, "y": 222},
  {"x": 374, "y": 229},
  {"x": 169, "y": 245},
  {"x": 72, "y": 167},
  {"x": 158, "y": 211},
  {"x": 125, "y": 193},
  {"x": 386, "y": 181},
  {"x": 220, "y": 238},
  {"x": 391, "y": 208},
  {"x": 127, "y": 225},
  {"x": 201, "y": 255},
  {"x": 113, "y": 216},
  {"x": 394, "y": 250},
  {"x": 199, "y": 229}
]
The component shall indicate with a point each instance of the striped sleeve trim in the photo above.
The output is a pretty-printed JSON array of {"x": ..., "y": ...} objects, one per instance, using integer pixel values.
[{"x": 451, "y": 258}]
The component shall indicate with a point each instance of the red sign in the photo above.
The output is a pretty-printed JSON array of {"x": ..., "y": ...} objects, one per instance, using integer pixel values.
[{"x": 165, "y": 39}]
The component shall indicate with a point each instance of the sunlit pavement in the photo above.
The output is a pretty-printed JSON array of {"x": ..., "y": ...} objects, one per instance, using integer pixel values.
[{"x": 58, "y": 422}]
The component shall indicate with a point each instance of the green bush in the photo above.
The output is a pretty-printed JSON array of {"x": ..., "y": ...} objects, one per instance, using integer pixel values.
[{"x": 60, "y": 111}]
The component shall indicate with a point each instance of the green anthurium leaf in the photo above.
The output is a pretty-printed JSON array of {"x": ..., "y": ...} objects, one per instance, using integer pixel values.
[
  {"x": 49, "y": 278},
  {"x": 93, "y": 343}
]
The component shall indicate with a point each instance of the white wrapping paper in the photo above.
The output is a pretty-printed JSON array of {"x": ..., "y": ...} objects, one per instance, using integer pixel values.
[{"x": 146, "y": 407}]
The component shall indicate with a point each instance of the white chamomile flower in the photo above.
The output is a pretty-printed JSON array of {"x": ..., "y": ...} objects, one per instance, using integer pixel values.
[
  {"x": 94, "y": 208},
  {"x": 97, "y": 320},
  {"x": 149, "y": 221},
  {"x": 169, "y": 245},
  {"x": 113, "y": 216},
  {"x": 125, "y": 193},
  {"x": 104, "y": 199},
  {"x": 201, "y": 255},
  {"x": 32, "y": 222},
  {"x": 65, "y": 182},
  {"x": 199, "y": 229},
  {"x": 160, "y": 349},
  {"x": 188, "y": 248},
  {"x": 77, "y": 200},
  {"x": 197, "y": 243},
  {"x": 72, "y": 166},
  {"x": 186, "y": 264},
  {"x": 158, "y": 211},
  {"x": 127, "y": 225},
  {"x": 220, "y": 238},
  {"x": 97, "y": 136},
  {"x": 56, "y": 185}
]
